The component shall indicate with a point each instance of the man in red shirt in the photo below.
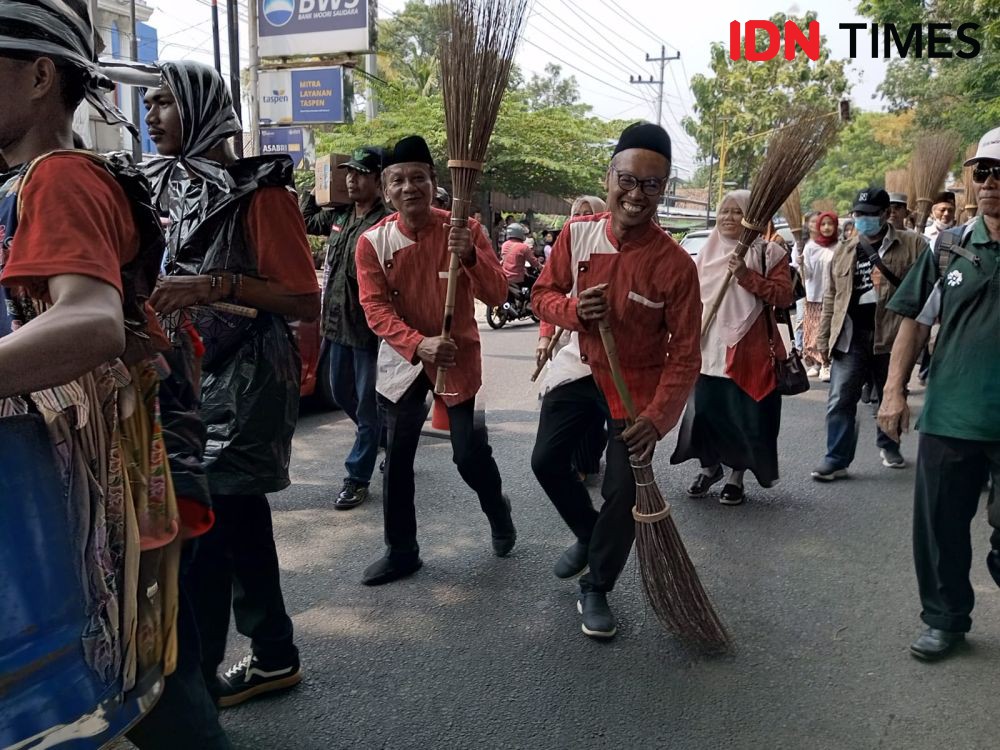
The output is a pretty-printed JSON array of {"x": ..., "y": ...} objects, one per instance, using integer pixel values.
[
  {"x": 515, "y": 253},
  {"x": 621, "y": 266},
  {"x": 403, "y": 274},
  {"x": 76, "y": 266}
]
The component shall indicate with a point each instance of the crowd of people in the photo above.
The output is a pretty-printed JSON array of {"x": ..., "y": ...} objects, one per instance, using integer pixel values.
[{"x": 145, "y": 338}]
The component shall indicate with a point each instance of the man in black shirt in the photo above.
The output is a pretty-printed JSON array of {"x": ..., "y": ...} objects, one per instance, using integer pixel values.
[{"x": 856, "y": 328}]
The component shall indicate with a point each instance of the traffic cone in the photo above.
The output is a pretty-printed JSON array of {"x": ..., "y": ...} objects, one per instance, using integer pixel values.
[{"x": 439, "y": 416}]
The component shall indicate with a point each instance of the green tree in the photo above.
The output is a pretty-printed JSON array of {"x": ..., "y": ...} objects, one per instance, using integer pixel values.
[
  {"x": 873, "y": 143},
  {"x": 552, "y": 90},
  {"x": 408, "y": 47},
  {"x": 945, "y": 93},
  {"x": 744, "y": 98}
]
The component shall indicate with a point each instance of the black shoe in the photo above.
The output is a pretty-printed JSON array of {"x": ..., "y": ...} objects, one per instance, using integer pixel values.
[
  {"x": 866, "y": 393},
  {"x": 732, "y": 494},
  {"x": 934, "y": 644},
  {"x": 387, "y": 570},
  {"x": 351, "y": 495},
  {"x": 503, "y": 532},
  {"x": 598, "y": 622},
  {"x": 381, "y": 466},
  {"x": 251, "y": 677},
  {"x": 573, "y": 561},
  {"x": 703, "y": 483},
  {"x": 892, "y": 458}
]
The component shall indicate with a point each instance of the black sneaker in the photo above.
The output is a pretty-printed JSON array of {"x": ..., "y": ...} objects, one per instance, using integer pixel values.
[
  {"x": 573, "y": 561},
  {"x": 502, "y": 532},
  {"x": 893, "y": 459},
  {"x": 251, "y": 677},
  {"x": 598, "y": 622},
  {"x": 351, "y": 495}
]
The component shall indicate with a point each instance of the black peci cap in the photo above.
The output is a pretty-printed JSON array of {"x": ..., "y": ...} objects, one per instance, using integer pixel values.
[
  {"x": 413, "y": 148},
  {"x": 644, "y": 135}
]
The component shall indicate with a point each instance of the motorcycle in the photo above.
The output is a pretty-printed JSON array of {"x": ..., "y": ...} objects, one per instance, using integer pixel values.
[{"x": 518, "y": 304}]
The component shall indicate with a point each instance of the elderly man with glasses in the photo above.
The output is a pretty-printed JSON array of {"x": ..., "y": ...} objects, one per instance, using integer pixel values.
[
  {"x": 954, "y": 284},
  {"x": 622, "y": 267}
]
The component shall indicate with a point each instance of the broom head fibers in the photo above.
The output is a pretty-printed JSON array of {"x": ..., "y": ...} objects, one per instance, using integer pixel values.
[
  {"x": 896, "y": 181},
  {"x": 933, "y": 156},
  {"x": 669, "y": 578},
  {"x": 792, "y": 210},
  {"x": 968, "y": 189},
  {"x": 477, "y": 52},
  {"x": 799, "y": 141}
]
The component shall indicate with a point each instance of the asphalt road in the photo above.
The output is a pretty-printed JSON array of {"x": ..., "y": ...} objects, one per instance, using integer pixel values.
[{"x": 814, "y": 581}]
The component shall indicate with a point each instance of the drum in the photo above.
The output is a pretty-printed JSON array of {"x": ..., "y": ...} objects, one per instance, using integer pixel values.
[{"x": 49, "y": 696}]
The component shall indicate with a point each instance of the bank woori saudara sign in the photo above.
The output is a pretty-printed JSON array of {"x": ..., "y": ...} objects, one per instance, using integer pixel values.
[{"x": 314, "y": 27}]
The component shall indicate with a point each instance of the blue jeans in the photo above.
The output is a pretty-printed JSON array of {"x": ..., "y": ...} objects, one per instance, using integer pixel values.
[
  {"x": 849, "y": 371},
  {"x": 352, "y": 381},
  {"x": 800, "y": 315}
]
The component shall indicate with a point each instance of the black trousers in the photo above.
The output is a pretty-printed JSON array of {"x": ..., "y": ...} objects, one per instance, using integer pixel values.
[
  {"x": 951, "y": 474},
  {"x": 567, "y": 411},
  {"x": 471, "y": 453},
  {"x": 237, "y": 568},
  {"x": 185, "y": 716}
]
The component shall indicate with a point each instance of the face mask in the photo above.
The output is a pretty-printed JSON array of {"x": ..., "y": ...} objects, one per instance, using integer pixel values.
[
  {"x": 869, "y": 226},
  {"x": 942, "y": 225}
]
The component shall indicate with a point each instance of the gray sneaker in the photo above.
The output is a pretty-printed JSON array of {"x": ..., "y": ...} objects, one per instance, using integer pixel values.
[
  {"x": 827, "y": 472},
  {"x": 893, "y": 459}
]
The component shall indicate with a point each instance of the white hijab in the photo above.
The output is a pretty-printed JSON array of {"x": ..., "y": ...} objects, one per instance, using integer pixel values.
[{"x": 740, "y": 308}]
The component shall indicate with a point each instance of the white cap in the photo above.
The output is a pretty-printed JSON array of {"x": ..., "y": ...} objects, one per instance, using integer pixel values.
[{"x": 989, "y": 148}]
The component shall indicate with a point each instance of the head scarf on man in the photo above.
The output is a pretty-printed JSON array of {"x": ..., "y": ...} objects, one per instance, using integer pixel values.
[
  {"x": 62, "y": 30},
  {"x": 740, "y": 308},
  {"x": 596, "y": 204},
  {"x": 207, "y": 117}
]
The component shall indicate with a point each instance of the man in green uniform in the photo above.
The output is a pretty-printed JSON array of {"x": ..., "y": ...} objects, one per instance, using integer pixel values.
[
  {"x": 353, "y": 346},
  {"x": 957, "y": 284}
]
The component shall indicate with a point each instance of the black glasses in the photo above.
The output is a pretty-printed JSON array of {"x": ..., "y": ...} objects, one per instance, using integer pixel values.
[
  {"x": 629, "y": 182},
  {"x": 981, "y": 174}
]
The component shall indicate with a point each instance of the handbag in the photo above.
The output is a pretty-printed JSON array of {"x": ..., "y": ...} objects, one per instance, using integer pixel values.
[{"x": 789, "y": 372}]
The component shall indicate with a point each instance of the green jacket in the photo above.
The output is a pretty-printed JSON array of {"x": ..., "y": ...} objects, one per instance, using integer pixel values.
[
  {"x": 902, "y": 250},
  {"x": 343, "y": 318}
]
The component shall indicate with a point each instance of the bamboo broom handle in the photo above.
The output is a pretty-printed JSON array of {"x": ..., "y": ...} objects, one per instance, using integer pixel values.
[
  {"x": 459, "y": 218},
  {"x": 548, "y": 354},
  {"x": 608, "y": 339},
  {"x": 229, "y": 307}
]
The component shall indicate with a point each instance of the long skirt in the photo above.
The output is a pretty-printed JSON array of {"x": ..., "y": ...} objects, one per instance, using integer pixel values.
[
  {"x": 810, "y": 331},
  {"x": 723, "y": 425}
]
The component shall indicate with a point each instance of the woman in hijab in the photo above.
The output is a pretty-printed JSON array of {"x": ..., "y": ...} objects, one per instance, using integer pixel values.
[
  {"x": 593, "y": 441},
  {"x": 236, "y": 235},
  {"x": 734, "y": 414},
  {"x": 817, "y": 255}
]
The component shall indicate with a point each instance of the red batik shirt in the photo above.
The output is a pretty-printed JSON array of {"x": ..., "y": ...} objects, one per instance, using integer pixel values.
[
  {"x": 403, "y": 279},
  {"x": 655, "y": 312}
]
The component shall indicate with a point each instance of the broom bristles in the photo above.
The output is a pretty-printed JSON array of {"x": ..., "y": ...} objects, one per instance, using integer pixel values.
[
  {"x": 669, "y": 578},
  {"x": 792, "y": 209},
  {"x": 971, "y": 205},
  {"x": 933, "y": 156},
  {"x": 896, "y": 181}
]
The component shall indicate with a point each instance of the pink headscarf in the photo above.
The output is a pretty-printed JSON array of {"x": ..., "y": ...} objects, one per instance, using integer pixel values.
[{"x": 740, "y": 308}]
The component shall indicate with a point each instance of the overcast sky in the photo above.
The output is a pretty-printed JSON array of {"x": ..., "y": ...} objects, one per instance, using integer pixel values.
[{"x": 600, "y": 42}]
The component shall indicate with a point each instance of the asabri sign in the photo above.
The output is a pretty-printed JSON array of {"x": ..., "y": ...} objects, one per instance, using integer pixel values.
[{"x": 314, "y": 27}]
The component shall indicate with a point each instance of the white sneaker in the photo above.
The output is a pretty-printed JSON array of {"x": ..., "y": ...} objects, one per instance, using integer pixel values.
[
  {"x": 812, "y": 372},
  {"x": 824, "y": 374}
]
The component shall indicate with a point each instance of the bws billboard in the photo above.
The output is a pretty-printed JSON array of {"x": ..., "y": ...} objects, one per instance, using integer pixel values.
[{"x": 314, "y": 27}]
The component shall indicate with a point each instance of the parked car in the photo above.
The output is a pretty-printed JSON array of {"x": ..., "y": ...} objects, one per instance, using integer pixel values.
[{"x": 694, "y": 241}]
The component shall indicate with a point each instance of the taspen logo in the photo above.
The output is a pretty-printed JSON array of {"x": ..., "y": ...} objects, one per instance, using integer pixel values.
[
  {"x": 277, "y": 96},
  {"x": 762, "y": 40},
  {"x": 279, "y": 12}
]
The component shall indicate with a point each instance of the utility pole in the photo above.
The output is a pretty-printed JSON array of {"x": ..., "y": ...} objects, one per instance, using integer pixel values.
[
  {"x": 711, "y": 164},
  {"x": 233, "y": 21},
  {"x": 217, "y": 51},
  {"x": 662, "y": 60},
  {"x": 134, "y": 90},
  {"x": 371, "y": 69},
  {"x": 254, "y": 76}
]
